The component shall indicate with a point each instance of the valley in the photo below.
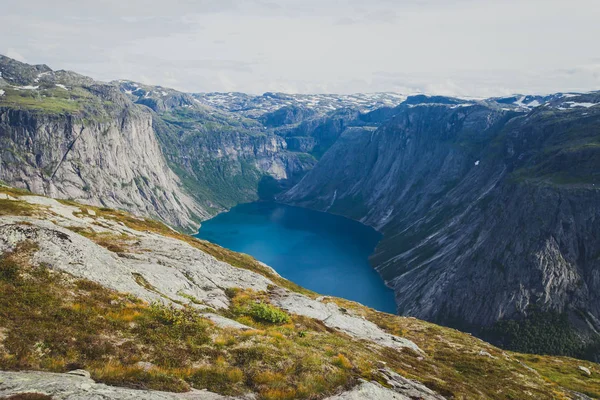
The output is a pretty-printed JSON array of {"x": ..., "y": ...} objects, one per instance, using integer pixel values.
[{"x": 488, "y": 208}]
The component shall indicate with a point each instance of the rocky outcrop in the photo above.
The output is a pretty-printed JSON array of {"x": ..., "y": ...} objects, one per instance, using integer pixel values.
[
  {"x": 155, "y": 268},
  {"x": 75, "y": 386},
  {"x": 335, "y": 317},
  {"x": 114, "y": 162},
  {"x": 66, "y": 136}
]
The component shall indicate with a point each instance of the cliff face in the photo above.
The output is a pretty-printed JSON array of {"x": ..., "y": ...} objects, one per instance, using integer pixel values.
[
  {"x": 488, "y": 215},
  {"x": 115, "y": 163},
  {"x": 66, "y": 136},
  {"x": 224, "y": 161}
]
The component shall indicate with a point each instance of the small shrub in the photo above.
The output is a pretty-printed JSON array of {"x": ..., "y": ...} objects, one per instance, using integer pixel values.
[
  {"x": 9, "y": 271},
  {"x": 232, "y": 292},
  {"x": 219, "y": 378},
  {"x": 267, "y": 313},
  {"x": 342, "y": 361}
]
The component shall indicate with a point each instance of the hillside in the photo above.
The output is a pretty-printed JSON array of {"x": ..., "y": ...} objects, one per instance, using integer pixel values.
[{"x": 139, "y": 305}]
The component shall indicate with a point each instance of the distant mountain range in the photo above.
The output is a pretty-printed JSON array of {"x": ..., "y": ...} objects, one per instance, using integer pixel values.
[{"x": 256, "y": 106}]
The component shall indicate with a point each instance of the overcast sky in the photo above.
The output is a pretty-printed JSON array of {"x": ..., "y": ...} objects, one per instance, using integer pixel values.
[{"x": 451, "y": 47}]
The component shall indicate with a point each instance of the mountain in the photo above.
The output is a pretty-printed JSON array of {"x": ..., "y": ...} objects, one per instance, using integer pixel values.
[
  {"x": 223, "y": 159},
  {"x": 155, "y": 151},
  {"x": 490, "y": 213},
  {"x": 150, "y": 150},
  {"x": 98, "y": 303},
  {"x": 65, "y": 135}
]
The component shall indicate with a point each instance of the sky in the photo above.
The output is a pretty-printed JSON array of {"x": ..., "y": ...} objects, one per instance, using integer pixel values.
[{"x": 478, "y": 48}]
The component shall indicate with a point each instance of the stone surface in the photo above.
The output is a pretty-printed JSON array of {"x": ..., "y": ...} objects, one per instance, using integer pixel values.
[
  {"x": 334, "y": 317},
  {"x": 75, "y": 387},
  {"x": 156, "y": 268},
  {"x": 407, "y": 387},
  {"x": 585, "y": 370},
  {"x": 223, "y": 322},
  {"x": 80, "y": 372},
  {"x": 400, "y": 389}
]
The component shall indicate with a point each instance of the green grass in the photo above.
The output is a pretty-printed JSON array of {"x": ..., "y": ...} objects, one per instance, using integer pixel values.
[
  {"x": 11, "y": 207},
  {"x": 50, "y": 100},
  {"x": 540, "y": 333},
  {"x": 566, "y": 372},
  {"x": 267, "y": 313},
  {"x": 28, "y": 396},
  {"x": 33, "y": 99}
]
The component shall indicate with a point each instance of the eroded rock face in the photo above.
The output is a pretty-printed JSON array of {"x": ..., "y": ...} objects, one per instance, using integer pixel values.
[
  {"x": 335, "y": 317},
  {"x": 112, "y": 161},
  {"x": 401, "y": 389}
]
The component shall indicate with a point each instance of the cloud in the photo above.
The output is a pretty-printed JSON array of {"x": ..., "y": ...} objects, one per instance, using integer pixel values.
[
  {"x": 460, "y": 47},
  {"x": 12, "y": 53}
]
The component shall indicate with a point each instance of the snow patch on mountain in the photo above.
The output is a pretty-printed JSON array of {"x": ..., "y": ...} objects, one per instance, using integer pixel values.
[{"x": 255, "y": 106}]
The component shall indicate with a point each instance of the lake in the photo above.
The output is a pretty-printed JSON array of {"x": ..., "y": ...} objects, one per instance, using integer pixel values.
[{"x": 321, "y": 252}]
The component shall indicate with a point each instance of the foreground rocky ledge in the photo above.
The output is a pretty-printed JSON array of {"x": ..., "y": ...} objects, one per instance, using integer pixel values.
[
  {"x": 233, "y": 326},
  {"x": 77, "y": 385}
]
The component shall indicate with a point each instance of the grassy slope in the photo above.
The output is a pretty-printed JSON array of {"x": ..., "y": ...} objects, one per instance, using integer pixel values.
[
  {"x": 52, "y": 321},
  {"x": 52, "y": 100}
]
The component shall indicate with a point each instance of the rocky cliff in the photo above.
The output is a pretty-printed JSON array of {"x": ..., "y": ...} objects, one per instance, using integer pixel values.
[
  {"x": 488, "y": 208},
  {"x": 489, "y": 213},
  {"x": 66, "y": 136}
]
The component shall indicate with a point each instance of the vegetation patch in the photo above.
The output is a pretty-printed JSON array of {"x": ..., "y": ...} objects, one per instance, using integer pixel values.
[
  {"x": 540, "y": 333},
  {"x": 12, "y": 207},
  {"x": 110, "y": 241},
  {"x": 267, "y": 313},
  {"x": 28, "y": 396},
  {"x": 566, "y": 372},
  {"x": 254, "y": 305}
]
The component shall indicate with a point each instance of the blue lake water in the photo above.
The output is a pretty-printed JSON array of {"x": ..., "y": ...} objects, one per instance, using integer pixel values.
[{"x": 321, "y": 252}]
